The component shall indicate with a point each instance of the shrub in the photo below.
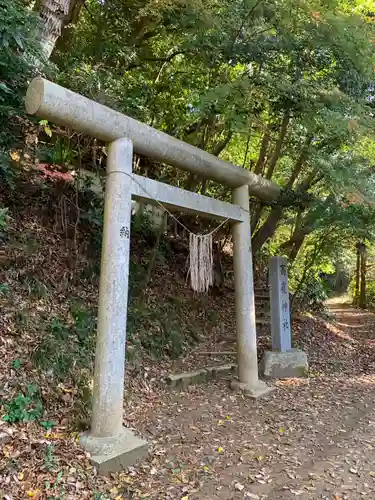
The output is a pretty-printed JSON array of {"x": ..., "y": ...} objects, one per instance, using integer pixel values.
[
  {"x": 311, "y": 296},
  {"x": 66, "y": 353},
  {"x": 67, "y": 349},
  {"x": 370, "y": 292},
  {"x": 3, "y": 219},
  {"x": 7, "y": 173},
  {"x": 25, "y": 407}
]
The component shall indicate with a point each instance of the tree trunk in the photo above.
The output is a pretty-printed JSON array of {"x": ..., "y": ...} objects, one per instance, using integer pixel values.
[
  {"x": 216, "y": 150},
  {"x": 357, "y": 275},
  {"x": 292, "y": 247},
  {"x": 310, "y": 260},
  {"x": 276, "y": 214},
  {"x": 255, "y": 218},
  {"x": 298, "y": 242},
  {"x": 55, "y": 14},
  {"x": 65, "y": 42},
  {"x": 152, "y": 260},
  {"x": 263, "y": 150},
  {"x": 362, "y": 292},
  {"x": 267, "y": 230},
  {"x": 221, "y": 145},
  {"x": 279, "y": 145},
  {"x": 299, "y": 163},
  {"x": 247, "y": 146}
]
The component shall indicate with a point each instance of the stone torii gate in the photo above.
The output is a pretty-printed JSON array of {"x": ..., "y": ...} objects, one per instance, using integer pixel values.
[{"x": 110, "y": 444}]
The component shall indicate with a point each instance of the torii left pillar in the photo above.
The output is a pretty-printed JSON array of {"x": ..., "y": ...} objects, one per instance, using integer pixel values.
[
  {"x": 111, "y": 445},
  {"x": 247, "y": 359}
]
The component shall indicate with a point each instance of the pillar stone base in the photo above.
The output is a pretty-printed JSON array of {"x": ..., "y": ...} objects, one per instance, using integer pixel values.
[
  {"x": 252, "y": 391},
  {"x": 112, "y": 454},
  {"x": 288, "y": 364}
]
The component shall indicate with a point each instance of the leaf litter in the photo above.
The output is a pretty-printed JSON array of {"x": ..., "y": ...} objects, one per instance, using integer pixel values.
[{"x": 311, "y": 439}]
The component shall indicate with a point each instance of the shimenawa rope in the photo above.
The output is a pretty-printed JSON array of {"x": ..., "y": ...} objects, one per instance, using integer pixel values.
[{"x": 200, "y": 250}]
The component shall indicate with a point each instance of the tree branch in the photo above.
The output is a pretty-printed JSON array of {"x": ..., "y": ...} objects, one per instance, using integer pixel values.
[
  {"x": 299, "y": 163},
  {"x": 279, "y": 145},
  {"x": 262, "y": 152},
  {"x": 245, "y": 19},
  {"x": 221, "y": 145},
  {"x": 156, "y": 59}
]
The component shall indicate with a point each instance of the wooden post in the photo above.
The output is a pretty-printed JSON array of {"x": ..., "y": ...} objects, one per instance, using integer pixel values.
[{"x": 362, "y": 293}]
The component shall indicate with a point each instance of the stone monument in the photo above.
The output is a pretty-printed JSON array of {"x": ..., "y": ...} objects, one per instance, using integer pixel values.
[{"x": 283, "y": 361}]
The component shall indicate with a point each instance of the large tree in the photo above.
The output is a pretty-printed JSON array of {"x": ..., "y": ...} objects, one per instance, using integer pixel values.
[{"x": 55, "y": 15}]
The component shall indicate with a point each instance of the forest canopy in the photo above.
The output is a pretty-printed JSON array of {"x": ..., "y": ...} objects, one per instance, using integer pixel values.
[{"x": 282, "y": 88}]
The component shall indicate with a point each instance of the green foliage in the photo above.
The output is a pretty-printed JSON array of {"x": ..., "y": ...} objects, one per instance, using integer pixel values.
[
  {"x": 47, "y": 425},
  {"x": 284, "y": 89},
  {"x": 99, "y": 496},
  {"x": 91, "y": 220},
  {"x": 141, "y": 226},
  {"x": 309, "y": 289},
  {"x": 226, "y": 79},
  {"x": 25, "y": 407},
  {"x": 59, "y": 492},
  {"x": 74, "y": 360},
  {"x": 59, "y": 153},
  {"x": 35, "y": 288},
  {"x": 85, "y": 322},
  {"x": 311, "y": 295},
  {"x": 65, "y": 353},
  {"x": 351, "y": 289},
  {"x": 7, "y": 173},
  {"x": 22, "y": 318},
  {"x": 4, "y": 218},
  {"x": 49, "y": 457},
  {"x": 19, "y": 55},
  {"x": 370, "y": 292},
  {"x": 46, "y": 127},
  {"x": 16, "y": 364},
  {"x": 162, "y": 331}
]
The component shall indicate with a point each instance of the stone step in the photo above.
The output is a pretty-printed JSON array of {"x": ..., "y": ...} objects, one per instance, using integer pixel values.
[
  {"x": 182, "y": 380},
  {"x": 262, "y": 304},
  {"x": 262, "y": 321},
  {"x": 261, "y": 298},
  {"x": 262, "y": 314}
]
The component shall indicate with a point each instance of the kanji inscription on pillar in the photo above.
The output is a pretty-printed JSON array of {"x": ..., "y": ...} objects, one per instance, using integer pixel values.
[{"x": 280, "y": 307}]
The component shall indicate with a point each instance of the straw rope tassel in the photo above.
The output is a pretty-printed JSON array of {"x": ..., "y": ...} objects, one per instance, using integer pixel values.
[{"x": 201, "y": 261}]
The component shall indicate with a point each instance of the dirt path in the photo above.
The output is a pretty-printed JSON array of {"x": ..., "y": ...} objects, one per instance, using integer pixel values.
[{"x": 310, "y": 439}]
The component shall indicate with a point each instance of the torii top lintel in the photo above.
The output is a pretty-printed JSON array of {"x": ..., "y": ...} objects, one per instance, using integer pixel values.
[{"x": 52, "y": 102}]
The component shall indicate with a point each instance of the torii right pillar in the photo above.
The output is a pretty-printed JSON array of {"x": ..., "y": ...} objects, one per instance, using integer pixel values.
[{"x": 283, "y": 361}]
